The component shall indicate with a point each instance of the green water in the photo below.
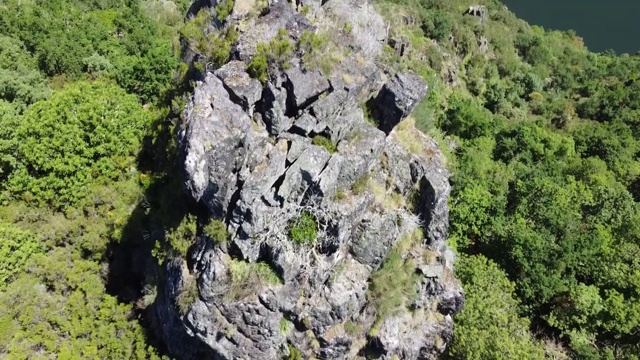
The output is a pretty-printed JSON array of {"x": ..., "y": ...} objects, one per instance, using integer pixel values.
[{"x": 603, "y": 24}]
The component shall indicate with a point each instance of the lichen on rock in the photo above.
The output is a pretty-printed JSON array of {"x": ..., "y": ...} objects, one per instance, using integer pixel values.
[{"x": 373, "y": 206}]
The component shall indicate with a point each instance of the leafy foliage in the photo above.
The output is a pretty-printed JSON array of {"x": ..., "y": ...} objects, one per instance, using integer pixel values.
[
  {"x": 325, "y": 143},
  {"x": 93, "y": 130},
  {"x": 304, "y": 229}
]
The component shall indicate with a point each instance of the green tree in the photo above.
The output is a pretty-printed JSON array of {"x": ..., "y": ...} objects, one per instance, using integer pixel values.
[{"x": 93, "y": 132}]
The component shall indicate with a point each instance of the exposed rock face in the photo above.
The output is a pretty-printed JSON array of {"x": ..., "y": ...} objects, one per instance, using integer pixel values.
[
  {"x": 398, "y": 98},
  {"x": 250, "y": 160}
]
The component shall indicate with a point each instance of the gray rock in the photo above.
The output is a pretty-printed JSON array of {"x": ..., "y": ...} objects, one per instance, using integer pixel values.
[
  {"x": 259, "y": 171},
  {"x": 306, "y": 123},
  {"x": 303, "y": 173},
  {"x": 398, "y": 98},
  {"x": 243, "y": 89},
  {"x": 374, "y": 238},
  {"x": 213, "y": 144},
  {"x": 360, "y": 150},
  {"x": 275, "y": 104},
  {"x": 305, "y": 86}
]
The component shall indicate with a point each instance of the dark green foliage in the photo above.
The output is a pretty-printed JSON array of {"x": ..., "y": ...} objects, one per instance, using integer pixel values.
[
  {"x": 325, "y": 143},
  {"x": 304, "y": 229},
  {"x": 93, "y": 131}
]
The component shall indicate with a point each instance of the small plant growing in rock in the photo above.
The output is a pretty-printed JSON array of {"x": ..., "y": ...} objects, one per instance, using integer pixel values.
[
  {"x": 304, "y": 229},
  {"x": 348, "y": 28},
  {"x": 217, "y": 231},
  {"x": 181, "y": 238},
  {"x": 247, "y": 277},
  {"x": 188, "y": 295},
  {"x": 360, "y": 186},
  {"x": 393, "y": 286},
  {"x": 340, "y": 195},
  {"x": 285, "y": 326},
  {"x": 274, "y": 53},
  {"x": 325, "y": 143},
  {"x": 294, "y": 353}
]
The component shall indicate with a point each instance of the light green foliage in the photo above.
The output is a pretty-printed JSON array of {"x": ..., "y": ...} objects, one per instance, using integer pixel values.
[
  {"x": 316, "y": 52},
  {"x": 182, "y": 237},
  {"x": 93, "y": 131},
  {"x": 64, "y": 311},
  {"x": 489, "y": 326},
  {"x": 217, "y": 231},
  {"x": 361, "y": 185},
  {"x": 303, "y": 230},
  {"x": 16, "y": 246},
  {"x": 215, "y": 47},
  {"x": 223, "y": 10},
  {"x": 325, "y": 143},
  {"x": 393, "y": 287},
  {"x": 248, "y": 278},
  {"x": 294, "y": 353},
  {"x": 285, "y": 326},
  {"x": 276, "y": 52}
]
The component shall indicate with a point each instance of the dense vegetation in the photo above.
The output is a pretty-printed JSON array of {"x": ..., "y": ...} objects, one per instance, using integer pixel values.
[
  {"x": 542, "y": 139},
  {"x": 83, "y": 85}
]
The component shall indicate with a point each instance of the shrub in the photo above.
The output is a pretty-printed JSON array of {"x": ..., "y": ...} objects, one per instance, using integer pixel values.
[
  {"x": 393, "y": 286},
  {"x": 294, "y": 353},
  {"x": 188, "y": 295},
  {"x": 304, "y": 229},
  {"x": 360, "y": 186},
  {"x": 274, "y": 53},
  {"x": 217, "y": 231},
  {"x": 325, "y": 143},
  {"x": 248, "y": 278},
  {"x": 181, "y": 238},
  {"x": 93, "y": 131},
  {"x": 224, "y": 9}
]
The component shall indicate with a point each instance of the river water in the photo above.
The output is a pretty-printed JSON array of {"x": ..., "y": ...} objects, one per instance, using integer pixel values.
[{"x": 603, "y": 24}]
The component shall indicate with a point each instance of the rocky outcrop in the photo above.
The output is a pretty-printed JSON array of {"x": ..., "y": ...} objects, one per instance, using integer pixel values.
[{"x": 315, "y": 199}]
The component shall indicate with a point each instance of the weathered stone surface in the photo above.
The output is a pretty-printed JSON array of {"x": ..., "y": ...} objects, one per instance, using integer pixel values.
[
  {"x": 243, "y": 89},
  {"x": 275, "y": 104},
  {"x": 249, "y": 158},
  {"x": 361, "y": 150},
  {"x": 304, "y": 86},
  {"x": 397, "y": 99},
  {"x": 213, "y": 144}
]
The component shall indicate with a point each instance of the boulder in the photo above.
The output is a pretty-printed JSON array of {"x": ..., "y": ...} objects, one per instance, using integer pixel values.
[
  {"x": 243, "y": 90},
  {"x": 397, "y": 99}
]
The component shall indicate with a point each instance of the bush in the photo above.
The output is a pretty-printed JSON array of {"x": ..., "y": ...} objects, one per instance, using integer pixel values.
[
  {"x": 274, "y": 53},
  {"x": 182, "y": 237},
  {"x": 93, "y": 132},
  {"x": 188, "y": 295},
  {"x": 224, "y": 9},
  {"x": 361, "y": 185},
  {"x": 217, "y": 231},
  {"x": 325, "y": 143},
  {"x": 394, "y": 286},
  {"x": 248, "y": 278},
  {"x": 304, "y": 229}
]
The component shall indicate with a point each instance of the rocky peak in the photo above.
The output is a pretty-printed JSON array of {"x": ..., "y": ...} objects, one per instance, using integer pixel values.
[{"x": 338, "y": 226}]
